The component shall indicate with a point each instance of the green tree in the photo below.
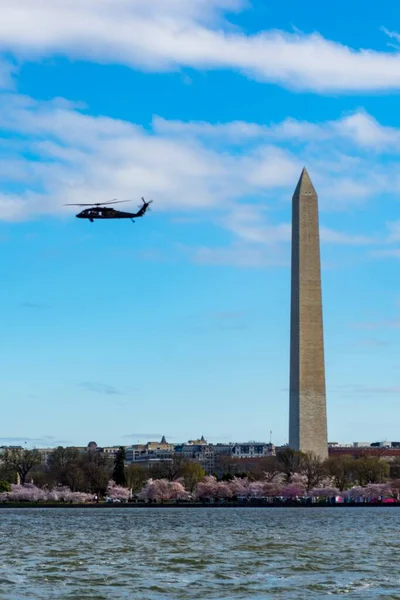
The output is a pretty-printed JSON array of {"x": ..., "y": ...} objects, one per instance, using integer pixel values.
[
  {"x": 371, "y": 469},
  {"x": 7, "y": 474},
  {"x": 119, "y": 467},
  {"x": 342, "y": 469},
  {"x": 21, "y": 461},
  {"x": 5, "y": 486},
  {"x": 192, "y": 472}
]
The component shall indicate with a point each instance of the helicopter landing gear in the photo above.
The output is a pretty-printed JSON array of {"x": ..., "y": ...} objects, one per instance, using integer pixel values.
[
  {"x": 91, "y": 220},
  {"x": 132, "y": 220}
]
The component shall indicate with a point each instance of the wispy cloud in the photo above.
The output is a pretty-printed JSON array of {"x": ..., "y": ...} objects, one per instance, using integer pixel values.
[
  {"x": 367, "y": 390},
  {"x": 34, "y": 305},
  {"x": 147, "y": 436},
  {"x": 238, "y": 255},
  {"x": 101, "y": 388},
  {"x": 373, "y": 325},
  {"x": 44, "y": 441},
  {"x": 374, "y": 343}
]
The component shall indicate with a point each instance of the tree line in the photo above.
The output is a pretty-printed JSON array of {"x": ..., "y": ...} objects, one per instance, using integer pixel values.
[{"x": 91, "y": 471}]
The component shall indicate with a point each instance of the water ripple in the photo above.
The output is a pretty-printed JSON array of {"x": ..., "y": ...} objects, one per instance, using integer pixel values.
[{"x": 205, "y": 554}]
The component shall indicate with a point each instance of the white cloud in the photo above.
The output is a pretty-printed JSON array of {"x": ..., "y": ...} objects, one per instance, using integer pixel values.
[
  {"x": 85, "y": 158},
  {"x": 358, "y": 129},
  {"x": 239, "y": 255},
  {"x": 61, "y": 154},
  {"x": 161, "y": 35}
]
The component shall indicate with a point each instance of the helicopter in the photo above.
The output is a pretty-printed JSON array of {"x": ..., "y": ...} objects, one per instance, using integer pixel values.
[{"x": 101, "y": 211}]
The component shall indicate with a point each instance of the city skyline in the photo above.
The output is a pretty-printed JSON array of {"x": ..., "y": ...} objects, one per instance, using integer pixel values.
[{"x": 180, "y": 322}]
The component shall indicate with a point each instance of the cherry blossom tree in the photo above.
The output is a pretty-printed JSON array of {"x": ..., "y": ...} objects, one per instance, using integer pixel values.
[
  {"x": 324, "y": 492},
  {"x": 355, "y": 493},
  {"x": 27, "y": 493},
  {"x": 272, "y": 489},
  {"x": 117, "y": 492},
  {"x": 395, "y": 488},
  {"x": 293, "y": 491},
  {"x": 223, "y": 490},
  {"x": 299, "y": 480},
  {"x": 239, "y": 486},
  {"x": 255, "y": 489},
  {"x": 156, "y": 490},
  {"x": 207, "y": 488},
  {"x": 177, "y": 491},
  {"x": 376, "y": 491}
]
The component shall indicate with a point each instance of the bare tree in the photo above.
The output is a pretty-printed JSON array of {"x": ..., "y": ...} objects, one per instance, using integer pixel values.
[
  {"x": 170, "y": 468},
  {"x": 266, "y": 468},
  {"x": 136, "y": 477},
  {"x": 21, "y": 461},
  {"x": 97, "y": 468},
  {"x": 290, "y": 461},
  {"x": 313, "y": 468},
  {"x": 65, "y": 467}
]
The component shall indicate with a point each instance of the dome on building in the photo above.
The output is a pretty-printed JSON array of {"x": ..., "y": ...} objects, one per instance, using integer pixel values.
[{"x": 92, "y": 445}]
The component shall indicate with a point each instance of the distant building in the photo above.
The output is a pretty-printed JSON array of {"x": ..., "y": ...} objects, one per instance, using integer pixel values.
[
  {"x": 359, "y": 451},
  {"x": 150, "y": 452},
  {"x": 200, "y": 442},
  {"x": 111, "y": 450},
  {"x": 252, "y": 450}
]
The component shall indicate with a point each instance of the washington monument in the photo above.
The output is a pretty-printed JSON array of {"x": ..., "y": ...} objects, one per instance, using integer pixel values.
[{"x": 307, "y": 418}]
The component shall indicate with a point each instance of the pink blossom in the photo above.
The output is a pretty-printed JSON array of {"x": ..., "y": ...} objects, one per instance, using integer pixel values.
[
  {"x": 223, "y": 490},
  {"x": 80, "y": 497},
  {"x": 160, "y": 490},
  {"x": 299, "y": 480},
  {"x": 117, "y": 492},
  {"x": 293, "y": 491},
  {"x": 374, "y": 491},
  {"x": 206, "y": 488},
  {"x": 272, "y": 489},
  {"x": 156, "y": 490},
  {"x": 354, "y": 493},
  {"x": 238, "y": 486},
  {"x": 255, "y": 489},
  {"x": 177, "y": 491},
  {"x": 324, "y": 492},
  {"x": 26, "y": 493}
]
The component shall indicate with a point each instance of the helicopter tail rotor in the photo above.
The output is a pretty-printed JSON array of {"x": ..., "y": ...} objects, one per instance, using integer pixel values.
[{"x": 146, "y": 204}]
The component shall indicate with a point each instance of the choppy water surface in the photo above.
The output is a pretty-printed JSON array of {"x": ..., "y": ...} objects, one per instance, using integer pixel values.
[{"x": 163, "y": 554}]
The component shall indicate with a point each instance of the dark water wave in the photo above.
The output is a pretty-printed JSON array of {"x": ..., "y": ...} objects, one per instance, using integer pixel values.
[{"x": 215, "y": 554}]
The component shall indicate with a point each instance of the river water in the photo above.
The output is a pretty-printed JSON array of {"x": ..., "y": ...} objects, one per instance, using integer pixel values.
[{"x": 204, "y": 554}]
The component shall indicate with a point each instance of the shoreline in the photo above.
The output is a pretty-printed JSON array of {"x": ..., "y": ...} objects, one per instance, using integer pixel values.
[{"x": 193, "y": 505}]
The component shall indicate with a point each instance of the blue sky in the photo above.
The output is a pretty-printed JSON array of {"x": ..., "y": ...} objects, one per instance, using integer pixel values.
[{"x": 179, "y": 324}]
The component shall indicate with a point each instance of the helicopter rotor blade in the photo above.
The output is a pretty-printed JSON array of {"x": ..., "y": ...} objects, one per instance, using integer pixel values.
[
  {"x": 99, "y": 203},
  {"x": 114, "y": 202}
]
